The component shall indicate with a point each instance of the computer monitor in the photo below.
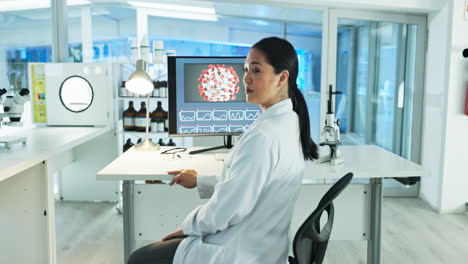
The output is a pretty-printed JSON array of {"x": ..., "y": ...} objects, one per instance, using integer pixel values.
[{"x": 207, "y": 97}]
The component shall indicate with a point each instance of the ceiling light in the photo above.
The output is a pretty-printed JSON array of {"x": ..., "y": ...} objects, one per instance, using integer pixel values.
[
  {"x": 182, "y": 15},
  {"x": 259, "y": 22},
  {"x": 23, "y": 5},
  {"x": 183, "y": 8},
  {"x": 77, "y": 2},
  {"x": 14, "y": 5}
]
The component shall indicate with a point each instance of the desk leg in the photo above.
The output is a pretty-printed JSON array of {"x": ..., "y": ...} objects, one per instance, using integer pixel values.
[
  {"x": 374, "y": 243},
  {"x": 128, "y": 221}
]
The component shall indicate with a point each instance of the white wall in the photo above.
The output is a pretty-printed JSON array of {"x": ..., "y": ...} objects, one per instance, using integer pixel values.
[
  {"x": 4, "y": 83},
  {"x": 445, "y": 128},
  {"x": 103, "y": 28},
  {"x": 455, "y": 179},
  {"x": 435, "y": 103},
  {"x": 22, "y": 34}
]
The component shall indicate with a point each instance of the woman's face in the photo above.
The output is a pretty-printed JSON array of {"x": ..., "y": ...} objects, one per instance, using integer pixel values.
[{"x": 262, "y": 85}]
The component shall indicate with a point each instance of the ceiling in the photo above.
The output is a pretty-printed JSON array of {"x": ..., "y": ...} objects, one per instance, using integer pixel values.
[{"x": 236, "y": 15}]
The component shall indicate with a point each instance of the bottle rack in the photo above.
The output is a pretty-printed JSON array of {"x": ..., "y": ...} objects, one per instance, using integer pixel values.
[
  {"x": 142, "y": 133},
  {"x": 154, "y": 71}
]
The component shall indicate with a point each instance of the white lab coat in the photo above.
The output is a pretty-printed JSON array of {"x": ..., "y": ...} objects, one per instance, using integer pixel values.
[{"x": 247, "y": 218}]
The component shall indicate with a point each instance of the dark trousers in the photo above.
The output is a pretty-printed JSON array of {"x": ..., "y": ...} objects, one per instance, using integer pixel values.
[{"x": 161, "y": 252}]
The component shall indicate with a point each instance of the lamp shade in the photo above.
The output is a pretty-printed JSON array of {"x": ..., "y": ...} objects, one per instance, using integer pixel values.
[{"x": 140, "y": 82}]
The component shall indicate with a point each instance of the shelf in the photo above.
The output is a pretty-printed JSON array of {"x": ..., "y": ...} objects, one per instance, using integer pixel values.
[{"x": 139, "y": 132}]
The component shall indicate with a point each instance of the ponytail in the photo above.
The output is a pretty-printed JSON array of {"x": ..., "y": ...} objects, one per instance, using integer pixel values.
[
  {"x": 309, "y": 148},
  {"x": 282, "y": 56}
]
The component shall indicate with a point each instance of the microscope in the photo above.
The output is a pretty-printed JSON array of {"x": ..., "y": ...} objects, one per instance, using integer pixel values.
[
  {"x": 13, "y": 106},
  {"x": 331, "y": 134}
]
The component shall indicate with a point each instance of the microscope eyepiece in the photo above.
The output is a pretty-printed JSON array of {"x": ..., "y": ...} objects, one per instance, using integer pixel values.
[
  {"x": 23, "y": 92},
  {"x": 465, "y": 53},
  {"x": 3, "y": 91}
]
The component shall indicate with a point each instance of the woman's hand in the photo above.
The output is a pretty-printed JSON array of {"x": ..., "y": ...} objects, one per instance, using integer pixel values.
[
  {"x": 178, "y": 233},
  {"x": 186, "y": 178}
]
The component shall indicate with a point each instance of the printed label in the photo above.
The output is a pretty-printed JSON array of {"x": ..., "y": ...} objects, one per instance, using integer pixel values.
[
  {"x": 140, "y": 122},
  {"x": 160, "y": 126},
  {"x": 123, "y": 91},
  {"x": 129, "y": 121},
  {"x": 154, "y": 127},
  {"x": 156, "y": 92}
]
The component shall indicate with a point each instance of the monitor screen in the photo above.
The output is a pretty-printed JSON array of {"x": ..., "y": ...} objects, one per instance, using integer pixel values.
[{"x": 207, "y": 96}]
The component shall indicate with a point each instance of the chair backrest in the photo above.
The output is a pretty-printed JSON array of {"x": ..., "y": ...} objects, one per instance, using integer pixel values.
[{"x": 310, "y": 242}]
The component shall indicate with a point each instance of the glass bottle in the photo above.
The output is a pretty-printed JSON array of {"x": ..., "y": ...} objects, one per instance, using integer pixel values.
[
  {"x": 156, "y": 89},
  {"x": 127, "y": 145},
  {"x": 158, "y": 115},
  {"x": 134, "y": 51},
  {"x": 158, "y": 51},
  {"x": 161, "y": 142},
  {"x": 129, "y": 117},
  {"x": 140, "y": 118},
  {"x": 171, "y": 143},
  {"x": 145, "y": 53},
  {"x": 154, "y": 121},
  {"x": 163, "y": 89},
  {"x": 123, "y": 90}
]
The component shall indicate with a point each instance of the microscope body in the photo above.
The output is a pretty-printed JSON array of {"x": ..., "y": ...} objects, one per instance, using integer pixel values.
[
  {"x": 331, "y": 134},
  {"x": 13, "y": 106}
]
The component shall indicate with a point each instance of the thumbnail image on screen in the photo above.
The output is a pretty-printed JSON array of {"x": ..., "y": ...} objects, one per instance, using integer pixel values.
[
  {"x": 209, "y": 96},
  {"x": 214, "y": 83}
]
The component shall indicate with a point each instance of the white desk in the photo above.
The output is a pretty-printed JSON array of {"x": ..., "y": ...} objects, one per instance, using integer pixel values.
[
  {"x": 27, "y": 224},
  {"x": 368, "y": 162}
]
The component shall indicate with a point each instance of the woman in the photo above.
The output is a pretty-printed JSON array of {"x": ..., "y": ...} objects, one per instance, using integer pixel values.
[{"x": 247, "y": 218}]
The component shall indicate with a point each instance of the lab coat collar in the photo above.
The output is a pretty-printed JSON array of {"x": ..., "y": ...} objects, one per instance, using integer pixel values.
[{"x": 279, "y": 107}]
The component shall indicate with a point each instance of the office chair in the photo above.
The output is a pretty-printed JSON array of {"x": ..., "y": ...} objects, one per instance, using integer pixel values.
[{"x": 310, "y": 242}]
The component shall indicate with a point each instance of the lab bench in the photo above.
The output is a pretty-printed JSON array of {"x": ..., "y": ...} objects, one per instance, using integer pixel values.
[
  {"x": 27, "y": 214},
  {"x": 154, "y": 210}
]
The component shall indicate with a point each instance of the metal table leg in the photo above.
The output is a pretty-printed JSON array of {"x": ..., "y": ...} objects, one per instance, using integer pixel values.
[
  {"x": 374, "y": 245},
  {"x": 128, "y": 218}
]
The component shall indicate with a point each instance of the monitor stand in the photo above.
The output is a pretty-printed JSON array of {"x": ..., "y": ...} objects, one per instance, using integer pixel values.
[{"x": 227, "y": 145}]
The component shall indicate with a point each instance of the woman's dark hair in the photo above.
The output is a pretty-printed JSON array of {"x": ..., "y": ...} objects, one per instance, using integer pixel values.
[{"x": 282, "y": 56}]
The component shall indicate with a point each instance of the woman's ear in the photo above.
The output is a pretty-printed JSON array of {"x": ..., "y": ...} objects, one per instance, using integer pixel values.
[{"x": 284, "y": 76}]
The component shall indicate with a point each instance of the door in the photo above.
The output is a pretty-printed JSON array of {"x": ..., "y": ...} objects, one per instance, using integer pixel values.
[{"x": 375, "y": 61}]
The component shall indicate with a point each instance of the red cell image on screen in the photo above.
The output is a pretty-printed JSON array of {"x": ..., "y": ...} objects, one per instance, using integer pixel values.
[{"x": 218, "y": 83}]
